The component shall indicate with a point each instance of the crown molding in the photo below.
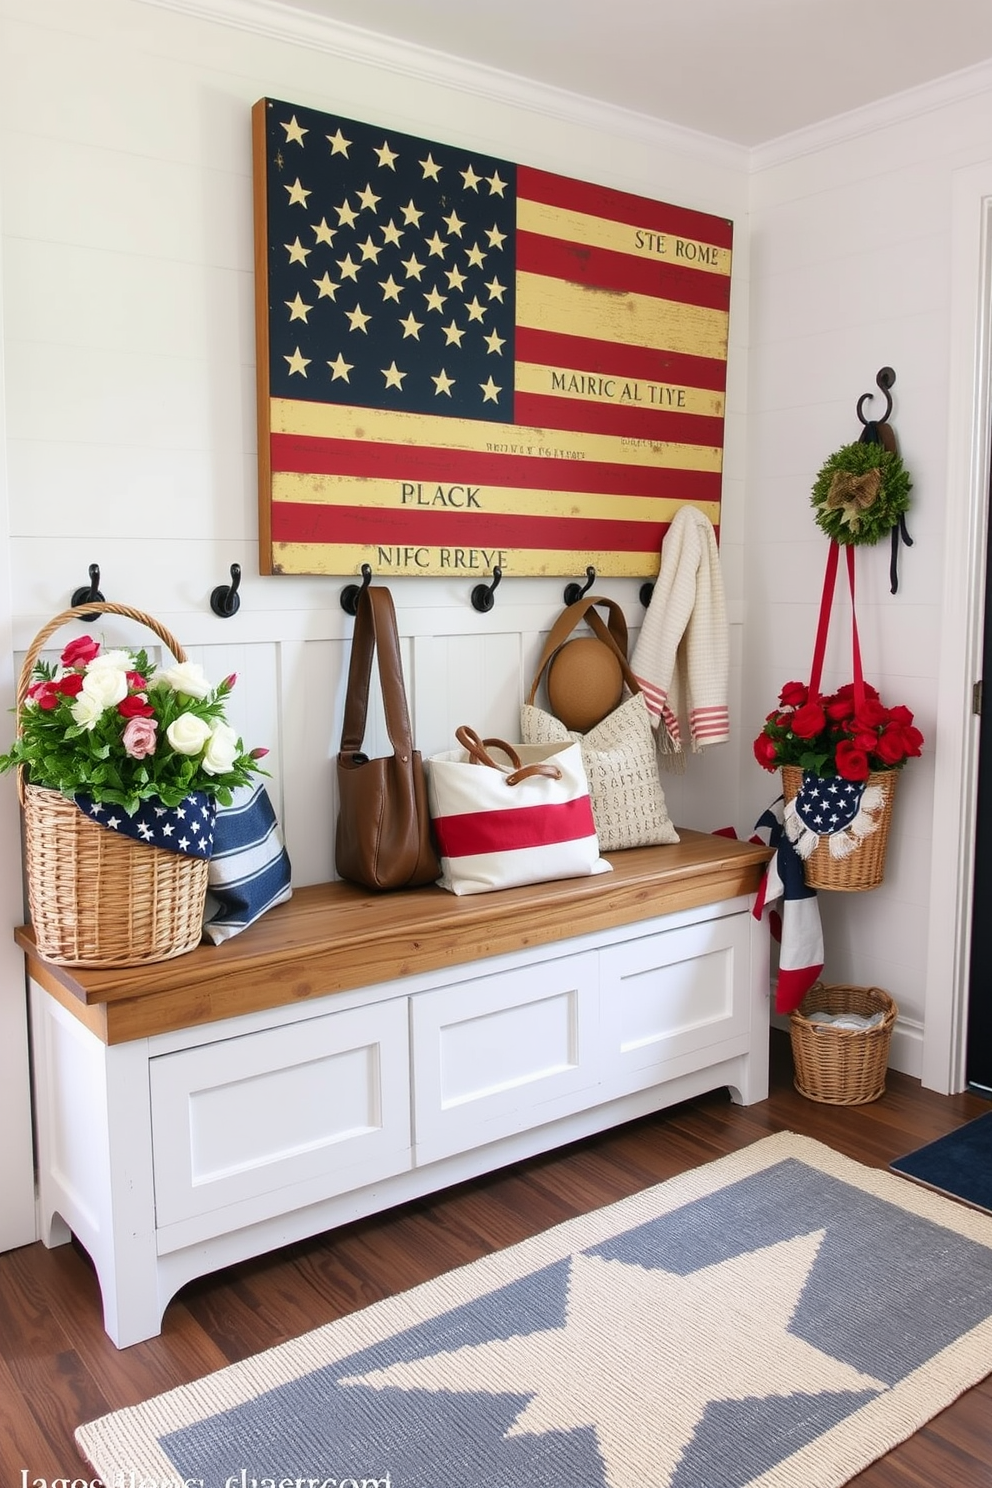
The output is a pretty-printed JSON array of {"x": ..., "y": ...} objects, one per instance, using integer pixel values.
[
  {"x": 284, "y": 23},
  {"x": 856, "y": 123}
]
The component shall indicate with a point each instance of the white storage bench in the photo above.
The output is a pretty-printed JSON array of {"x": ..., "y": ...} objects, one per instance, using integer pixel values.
[{"x": 352, "y": 1051}]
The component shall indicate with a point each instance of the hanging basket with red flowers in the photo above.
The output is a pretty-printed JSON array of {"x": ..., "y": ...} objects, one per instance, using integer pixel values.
[{"x": 839, "y": 756}]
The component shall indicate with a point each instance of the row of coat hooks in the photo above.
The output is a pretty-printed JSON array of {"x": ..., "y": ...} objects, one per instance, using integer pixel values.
[
  {"x": 225, "y": 600},
  {"x": 484, "y": 595}
]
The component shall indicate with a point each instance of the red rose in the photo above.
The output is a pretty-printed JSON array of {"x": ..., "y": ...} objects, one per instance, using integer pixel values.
[
  {"x": 764, "y": 752},
  {"x": 901, "y": 715},
  {"x": 793, "y": 695},
  {"x": 891, "y": 746},
  {"x": 134, "y": 706},
  {"x": 839, "y": 709},
  {"x": 71, "y": 685},
  {"x": 865, "y": 739},
  {"x": 80, "y": 651},
  {"x": 913, "y": 742},
  {"x": 48, "y": 698},
  {"x": 136, "y": 682},
  {"x": 871, "y": 714},
  {"x": 852, "y": 763},
  {"x": 847, "y": 691},
  {"x": 808, "y": 721}
]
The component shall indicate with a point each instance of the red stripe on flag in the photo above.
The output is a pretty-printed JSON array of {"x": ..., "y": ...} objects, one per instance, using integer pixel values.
[
  {"x": 631, "y": 420},
  {"x": 622, "y": 206},
  {"x": 549, "y": 348},
  {"x": 307, "y": 522},
  {"x": 304, "y": 454},
  {"x": 511, "y": 830},
  {"x": 604, "y": 269}
]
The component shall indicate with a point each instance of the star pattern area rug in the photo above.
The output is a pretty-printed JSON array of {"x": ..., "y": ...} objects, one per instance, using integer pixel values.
[{"x": 778, "y": 1318}]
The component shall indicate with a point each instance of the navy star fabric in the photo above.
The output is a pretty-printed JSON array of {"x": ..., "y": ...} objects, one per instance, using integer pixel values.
[
  {"x": 828, "y": 806},
  {"x": 187, "y": 828}
]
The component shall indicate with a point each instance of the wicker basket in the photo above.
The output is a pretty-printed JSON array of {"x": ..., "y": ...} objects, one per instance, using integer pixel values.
[
  {"x": 865, "y": 867},
  {"x": 842, "y": 1066},
  {"x": 97, "y": 899}
]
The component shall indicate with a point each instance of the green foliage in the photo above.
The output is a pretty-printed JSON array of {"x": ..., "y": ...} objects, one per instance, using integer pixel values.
[
  {"x": 851, "y": 523},
  {"x": 106, "y": 726}
]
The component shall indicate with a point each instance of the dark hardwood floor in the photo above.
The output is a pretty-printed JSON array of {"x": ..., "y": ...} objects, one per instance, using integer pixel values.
[{"x": 58, "y": 1368}]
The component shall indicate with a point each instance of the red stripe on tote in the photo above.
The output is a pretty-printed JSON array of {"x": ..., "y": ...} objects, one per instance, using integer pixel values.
[{"x": 474, "y": 832}]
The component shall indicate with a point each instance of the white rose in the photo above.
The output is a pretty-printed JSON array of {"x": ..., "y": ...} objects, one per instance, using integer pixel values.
[
  {"x": 222, "y": 750},
  {"x": 186, "y": 677},
  {"x": 107, "y": 686},
  {"x": 85, "y": 710},
  {"x": 187, "y": 734},
  {"x": 115, "y": 661}
]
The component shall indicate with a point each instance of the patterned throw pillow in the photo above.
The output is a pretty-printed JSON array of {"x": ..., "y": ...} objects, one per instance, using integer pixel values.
[
  {"x": 249, "y": 871},
  {"x": 619, "y": 755}
]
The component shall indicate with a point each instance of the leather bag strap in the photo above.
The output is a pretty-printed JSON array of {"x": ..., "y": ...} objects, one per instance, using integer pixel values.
[
  {"x": 613, "y": 635},
  {"x": 376, "y": 635},
  {"x": 478, "y": 752},
  {"x": 823, "y": 626}
]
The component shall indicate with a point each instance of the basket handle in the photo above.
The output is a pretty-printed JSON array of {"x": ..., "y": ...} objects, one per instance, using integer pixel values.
[{"x": 80, "y": 612}]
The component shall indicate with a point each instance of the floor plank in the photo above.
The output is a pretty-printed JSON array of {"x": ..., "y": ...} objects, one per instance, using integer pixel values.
[{"x": 58, "y": 1368}]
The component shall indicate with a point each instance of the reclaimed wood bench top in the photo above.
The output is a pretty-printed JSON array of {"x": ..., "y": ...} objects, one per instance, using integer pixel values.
[{"x": 334, "y": 937}]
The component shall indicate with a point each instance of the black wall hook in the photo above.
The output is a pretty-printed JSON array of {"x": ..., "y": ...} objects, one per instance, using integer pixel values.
[
  {"x": 885, "y": 378},
  {"x": 89, "y": 593},
  {"x": 225, "y": 600},
  {"x": 351, "y": 592},
  {"x": 484, "y": 595},
  {"x": 575, "y": 591},
  {"x": 646, "y": 592}
]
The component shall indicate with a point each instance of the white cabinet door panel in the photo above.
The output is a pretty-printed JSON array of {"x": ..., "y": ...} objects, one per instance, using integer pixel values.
[
  {"x": 326, "y": 1098},
  {"x": 668, "y": 999},
  {"x": 503, "y": 1053}
]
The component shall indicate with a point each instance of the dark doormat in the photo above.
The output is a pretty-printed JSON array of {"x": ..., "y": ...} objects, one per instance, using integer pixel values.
[{"x": 959, "y": 1164}]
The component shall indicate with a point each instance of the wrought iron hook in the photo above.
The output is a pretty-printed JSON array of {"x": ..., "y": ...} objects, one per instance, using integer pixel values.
[
  {"x": 484, "y": 595},
  {"x": 351, "y": 593},
  {"x": 886, "y": 377},
  {"x": 225, "y": 600},
  {"x": 575, "y": 591},
  {"x": 89, "y": 594}
]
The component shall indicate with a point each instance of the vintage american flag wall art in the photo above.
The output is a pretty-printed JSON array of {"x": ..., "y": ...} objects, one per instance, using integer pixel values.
[{"x": 465, "y": 363}]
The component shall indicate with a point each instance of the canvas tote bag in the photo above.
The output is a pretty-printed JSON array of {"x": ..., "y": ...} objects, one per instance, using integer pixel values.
[
  {"x": 619, "y": 754},
  {"x": 383, "y": 838},
  {"x": 504, "y": 816}
]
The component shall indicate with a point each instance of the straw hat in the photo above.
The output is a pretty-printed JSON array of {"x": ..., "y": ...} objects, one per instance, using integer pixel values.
[{"x": 585, "y": 683}]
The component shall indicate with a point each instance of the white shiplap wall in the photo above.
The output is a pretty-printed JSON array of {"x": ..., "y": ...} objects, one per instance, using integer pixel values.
[
  {"x": 853, "y": 247},
  {"x": 127, "y": 298}
]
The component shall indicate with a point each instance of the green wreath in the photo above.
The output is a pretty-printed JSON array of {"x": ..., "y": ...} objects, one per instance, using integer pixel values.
[{"x": 860, "y": 493}]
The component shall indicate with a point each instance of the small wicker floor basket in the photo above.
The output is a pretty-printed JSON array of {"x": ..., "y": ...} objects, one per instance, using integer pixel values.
[
  {"x": 842, "y": 1066},
  {"x": 865, "y": 867},
  {"x": 97, "y": 899}
]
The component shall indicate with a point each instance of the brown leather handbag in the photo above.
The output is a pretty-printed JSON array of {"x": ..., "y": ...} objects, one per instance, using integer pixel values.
[{"x": 383, "y": 838}]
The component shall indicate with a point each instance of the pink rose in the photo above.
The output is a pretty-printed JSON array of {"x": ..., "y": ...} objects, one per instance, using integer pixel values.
[
  {"x": 80, "y": 651},
  {"x": 139, "y": 737}
]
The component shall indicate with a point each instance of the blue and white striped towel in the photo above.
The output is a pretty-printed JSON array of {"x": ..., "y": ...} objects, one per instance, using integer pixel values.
[{"x": 249, "y": 870}]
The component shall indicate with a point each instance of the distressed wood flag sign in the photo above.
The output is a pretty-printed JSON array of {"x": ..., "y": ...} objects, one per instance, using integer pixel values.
[{"x": 465, "y": 363}]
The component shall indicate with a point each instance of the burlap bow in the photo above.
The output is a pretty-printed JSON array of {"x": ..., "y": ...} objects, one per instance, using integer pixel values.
[{"x": 853, "y": 494}]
